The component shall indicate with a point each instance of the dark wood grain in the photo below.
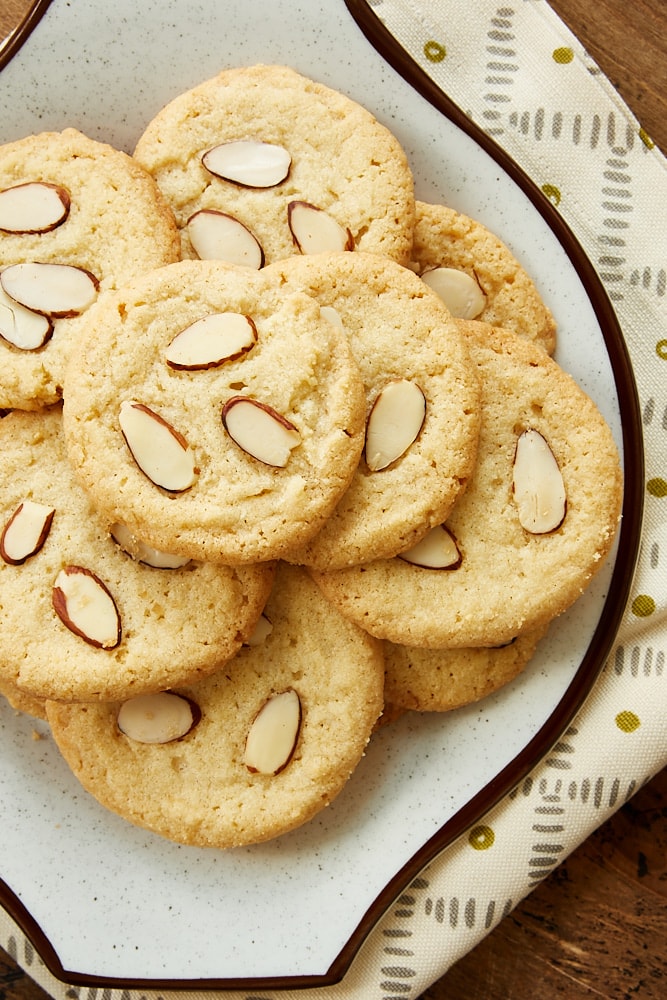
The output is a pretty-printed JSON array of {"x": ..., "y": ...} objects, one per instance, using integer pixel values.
[
  {"x": 596, "y": 929},
  {"x": 628, "y": 40},
  {"x": 11, "y": 14}
]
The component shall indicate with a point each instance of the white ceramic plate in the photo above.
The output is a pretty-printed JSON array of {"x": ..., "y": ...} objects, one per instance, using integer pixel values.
[{"x": 108, "y": 904}]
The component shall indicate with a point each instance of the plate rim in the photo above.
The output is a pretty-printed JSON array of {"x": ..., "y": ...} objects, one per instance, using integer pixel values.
[
  {"x": 16, "y": 38},
  {"x": 604, "y": 635}
]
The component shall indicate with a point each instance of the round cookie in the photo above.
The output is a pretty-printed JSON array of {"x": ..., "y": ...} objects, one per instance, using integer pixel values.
[
  {"x": 398, "y": 331},
  {"x": 112, "y": 222},
  {"x": 146, "y": 627},
  {"x": 235, "y": 505},
  {"x": 338, "y": 159},
  {"x": 439, "y": 680},
  {"x": 501, "y": 293},
  {"x": 507, "y": 578},
  {"x": 199, "y": 789},
  {"x": 22, "y": 702}
]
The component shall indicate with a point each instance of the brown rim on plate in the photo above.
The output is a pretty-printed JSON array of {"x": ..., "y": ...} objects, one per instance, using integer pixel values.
[
  {"x": 603, "y": 637},
  {"x": 15, "y": 39}
]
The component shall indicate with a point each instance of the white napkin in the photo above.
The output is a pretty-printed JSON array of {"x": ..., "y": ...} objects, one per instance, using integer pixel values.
[{"x": 526, "y": 80}]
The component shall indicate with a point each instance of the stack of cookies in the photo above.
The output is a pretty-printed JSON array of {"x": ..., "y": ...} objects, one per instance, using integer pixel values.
[{"x": 286, "y": 455}]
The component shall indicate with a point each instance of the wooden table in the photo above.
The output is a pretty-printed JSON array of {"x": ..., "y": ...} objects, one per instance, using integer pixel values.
[{"x": 596, "y": 929}]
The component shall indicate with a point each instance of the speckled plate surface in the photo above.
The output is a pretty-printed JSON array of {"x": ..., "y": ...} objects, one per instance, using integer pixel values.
[{"x": 110, "y": 905}]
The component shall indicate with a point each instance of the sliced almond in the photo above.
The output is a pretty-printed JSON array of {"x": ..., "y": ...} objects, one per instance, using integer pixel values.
[
  {"x": 332, "y": 315},
  {"x": 539, "y": 490},
  {"x": 262, "y": 630},
  {"x": 211, "y": 341},
  {"x": 315, "y": 231},
  {"x": 217, "y": 236},
  {"x": 259, "y": 430},
  {"x": 274, "y": 733},
  {"x": 56, "y": 290},
  {"x": 22, "y": 327},
  {"x": 394, "y": 423},
  {"x": 85, "y": 606},
  {"x": 437, "y": 550},
  {"x": 156, "y": 718},
  {"x": 143, "y": 553},
  {"x": 34, "y": 207},
  {"x": 249, "y": 162},
  {"x": 160, "y": 451},
  {"x": 459, "y": 291},
  {"x": 25, "y": 532}
]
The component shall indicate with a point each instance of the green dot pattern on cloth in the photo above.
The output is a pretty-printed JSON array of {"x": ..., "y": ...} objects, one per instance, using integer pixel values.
[
  {"x": 627, "y": 721},
  {"x": 481, "y": 838},
  {"x": 552, "y": 193},
  {"x": 661, "y": 349},
  {"x": 657, "y": 487},
  {"x": 643, "y": 606},
  {"x": 434, "y": 51},
  {"x": 563, "y": 55}
]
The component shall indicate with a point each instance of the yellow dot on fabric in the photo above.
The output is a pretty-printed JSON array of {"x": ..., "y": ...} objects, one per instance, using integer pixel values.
[
  {"x": 552, "y": 193},
  {"x": 563, "y": 55},
  {"x": 434, "y": 51},
  {"x": 643, "y": 606},
  {"x": 481, "y": 838},
  {"x": 646, "y": 139},
  {"x": 627, "y": 721},
  {"x": 657, "y": 487},
  {"x": 661, "y": 349}
]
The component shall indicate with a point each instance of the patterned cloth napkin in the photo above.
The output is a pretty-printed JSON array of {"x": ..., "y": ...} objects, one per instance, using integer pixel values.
[{"x": 520, "y": 74}]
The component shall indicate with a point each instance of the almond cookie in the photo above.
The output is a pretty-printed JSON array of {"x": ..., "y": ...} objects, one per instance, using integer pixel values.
[
  {"x": 253, "y": 751},
  {"x": 422, "y": 401},
  {"x": 230, "y": 418},
  {"x": 477, "y": 275},
  {"x": 439, "y": 680},
  {"x": 22, "y": 702},
  {"x": 260, "y": 162},
  {"x": 534, "y": 525},
  {"x": 85, "y": 613},
  {"x": 77, "y": 217}
]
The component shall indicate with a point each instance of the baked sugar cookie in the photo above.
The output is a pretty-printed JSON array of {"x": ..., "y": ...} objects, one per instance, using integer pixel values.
[
  {"x": 477, "y": 275},
  {"x": 404, "y": 342},
  {"x": 261, "y": 162},
  {"x": 229, "y": 420},
  {"x": 80, "y": 617},
  {"x": 534, "y": 525},
  {"x": 22, "y": 702},
  {"x": 439, "y": 680},
  {"x": 267, "y": 741},
  {"x": 77, "y": 217}
]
